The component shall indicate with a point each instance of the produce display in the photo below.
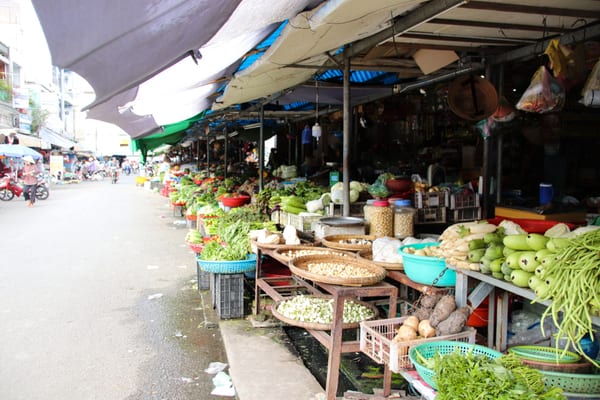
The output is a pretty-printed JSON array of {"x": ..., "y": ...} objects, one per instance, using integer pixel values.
[
  {"x": 467, "y": 375},
  {"x": 561, "y": 266},
  {"x": 320, "y": 310},
  {"x": 338, "y": 270},
  {"x": 435, "y": 315}
]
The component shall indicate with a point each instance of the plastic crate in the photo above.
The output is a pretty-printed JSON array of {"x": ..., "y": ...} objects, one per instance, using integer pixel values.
[
  {"x": 431, "y": 199},
  {"x": 228, "y": 292},
  {"x": 431, "y": 215},
  {"x": 376, "y": 341},
  {"x": 301, "y": 223},
  {"x": 203, "y": 278},
  {"x": 462, "y": 200},
  {"x": 465, "y": 214}
]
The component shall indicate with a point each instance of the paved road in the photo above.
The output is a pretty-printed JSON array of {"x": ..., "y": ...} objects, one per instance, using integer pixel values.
[{"x": 76, "y": 320}]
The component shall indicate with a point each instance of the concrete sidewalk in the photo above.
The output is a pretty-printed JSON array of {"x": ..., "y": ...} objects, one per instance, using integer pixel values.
[{"x": 262, "y": 367}]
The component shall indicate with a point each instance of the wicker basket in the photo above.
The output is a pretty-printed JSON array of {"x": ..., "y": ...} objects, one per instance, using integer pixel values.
[
  {"x": 285, "y": 253},
  {"x": 299, "y": 266},
  {"x": 334, "y": 242},
  {"x": 376, "y": 341},
  {"x": 428, "y": 350},
  {"x": 368, "y": 255},
  {"x": 229, "y": 267},
  {"x": 316, "y": 325},
  {"x": 588, "y": 384}
]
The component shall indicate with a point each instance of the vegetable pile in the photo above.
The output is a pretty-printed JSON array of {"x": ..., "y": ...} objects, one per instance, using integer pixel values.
[
  {"x": 572, "y": 282},
  {"x": 470, "y": 376},
  {"x": 436, "y": 315},
  {"x": 320, "y": 310}
]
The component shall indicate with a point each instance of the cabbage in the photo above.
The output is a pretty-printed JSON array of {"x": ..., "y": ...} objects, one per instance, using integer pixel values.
[
  {"x": 354, "y": 195},
  {"x": 354, "y": 185},
  {"x": 337, "y": 186},
  {"x": 337, "y": 196}
]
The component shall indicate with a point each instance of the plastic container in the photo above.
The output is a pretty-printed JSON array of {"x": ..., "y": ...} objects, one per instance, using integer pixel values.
[
  {"x": 382, "y": 219},
  {"x": 425, "y": 269},
  {"x": 404, "y": 219}
]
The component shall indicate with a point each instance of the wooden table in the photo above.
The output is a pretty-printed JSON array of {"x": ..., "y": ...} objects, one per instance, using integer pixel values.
[{"x": 332, "y": 340}]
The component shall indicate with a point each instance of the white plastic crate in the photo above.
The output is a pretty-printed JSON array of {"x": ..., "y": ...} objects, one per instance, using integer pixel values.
[{"x": 376, "y": 341}]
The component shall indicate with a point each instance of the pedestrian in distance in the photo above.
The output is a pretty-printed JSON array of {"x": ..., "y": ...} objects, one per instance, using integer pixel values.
[{"x": 30, "y": 179}]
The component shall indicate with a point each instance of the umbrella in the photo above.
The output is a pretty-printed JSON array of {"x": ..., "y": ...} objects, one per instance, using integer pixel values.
[{"x": 17, "y": 150}]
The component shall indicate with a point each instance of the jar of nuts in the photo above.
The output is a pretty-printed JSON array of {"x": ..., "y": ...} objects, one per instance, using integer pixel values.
[
  {"x": 382, "y": 219},
  {"x": 404, "y": 217}
]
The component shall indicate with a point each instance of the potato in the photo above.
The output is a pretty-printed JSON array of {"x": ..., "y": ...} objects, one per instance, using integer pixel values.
[
  {"x": 405, "y": 333},
  {"x": 425, "y": 329},
  {"x": 412, "y": 321}
]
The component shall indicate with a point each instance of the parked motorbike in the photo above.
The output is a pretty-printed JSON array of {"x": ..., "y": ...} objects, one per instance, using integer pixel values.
[
  {"x": 9, "y": 189},
  {"x": 97, "y": 175}
]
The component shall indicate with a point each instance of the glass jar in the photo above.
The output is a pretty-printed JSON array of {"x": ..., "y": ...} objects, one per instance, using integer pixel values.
[
  {"x": 382, "y": 219},
  {"x": 404, "y": 219},
  {"x": 367, "y": 212}
]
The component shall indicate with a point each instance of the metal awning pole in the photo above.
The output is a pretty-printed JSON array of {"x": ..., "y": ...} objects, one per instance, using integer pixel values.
[
  {"x": 208, "y": 155},
  {"x": 500, "y": 140},
  {"x": 261, "y": 147},
  {"x": 346, "y": 139},
  {"x": 225, "y": 151}
]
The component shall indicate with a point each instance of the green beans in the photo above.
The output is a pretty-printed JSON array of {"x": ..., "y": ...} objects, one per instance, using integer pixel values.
[{"x": 574, "y": 288}]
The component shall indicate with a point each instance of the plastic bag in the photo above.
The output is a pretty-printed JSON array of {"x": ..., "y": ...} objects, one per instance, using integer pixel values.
[
  {"x": 591, "y": 89},
  {"x": 544, "y": 94}
]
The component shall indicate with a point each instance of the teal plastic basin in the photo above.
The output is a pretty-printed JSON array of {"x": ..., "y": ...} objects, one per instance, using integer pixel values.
[{"x": 424, "y": 269}]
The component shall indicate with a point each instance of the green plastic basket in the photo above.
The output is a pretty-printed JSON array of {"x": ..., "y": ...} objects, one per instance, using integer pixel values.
[
  {"x": 588, "y": 384},
  {"x": 428, "y": 350},
  {"x": 544, "y": 354}
]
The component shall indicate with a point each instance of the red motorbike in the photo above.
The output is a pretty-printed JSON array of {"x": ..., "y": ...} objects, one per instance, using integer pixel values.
[{"x": 9, "y": 189}]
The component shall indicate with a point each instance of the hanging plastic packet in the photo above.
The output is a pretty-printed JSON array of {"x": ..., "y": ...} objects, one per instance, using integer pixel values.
[
  {"x": 544, "y": 94},
  {"x": 591, "y": 89}
]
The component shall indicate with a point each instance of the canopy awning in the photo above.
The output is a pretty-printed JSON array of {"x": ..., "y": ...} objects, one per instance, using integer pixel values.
[
  {"x": 29, "y": 140},
  {"x": 170, "y": 134},
  {"x": 56, "y": 139}
]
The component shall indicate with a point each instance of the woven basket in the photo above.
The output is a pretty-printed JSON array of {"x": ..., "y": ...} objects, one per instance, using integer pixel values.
[
  {"x": 428, "y": 350},
  {"x": 299, "y": 266},
  {"x": 229, "y": 267},
  {"x": 285, "y": 253},
  {"x": 588, "y": 384},
  {"x": 368, "y": 255},
  {"x": 319, "y": 326},
  {"x": 333, "y": 241}
]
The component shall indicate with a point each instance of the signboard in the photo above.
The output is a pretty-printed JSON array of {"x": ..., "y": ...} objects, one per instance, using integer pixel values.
[{"x": 57, "y": 166}]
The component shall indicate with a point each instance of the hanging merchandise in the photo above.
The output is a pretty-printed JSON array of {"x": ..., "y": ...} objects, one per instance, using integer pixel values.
[
  {"x": 472, "y": 98},
  {"x": 591, "y": 89},
  {"x": 316, "y": 129},
  {"x": 567, "y": 63},
  {"x": 544, "y": 94},
  {"x": 505, "y": 111}
]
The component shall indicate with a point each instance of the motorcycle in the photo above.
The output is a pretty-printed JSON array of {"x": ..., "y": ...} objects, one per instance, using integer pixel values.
[
  {"x": 114, "y": 175},
  {"x": 9, "y": 189}
]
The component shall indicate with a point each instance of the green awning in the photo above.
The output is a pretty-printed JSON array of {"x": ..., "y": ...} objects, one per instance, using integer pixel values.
[{"x": 170, "y": 134}]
